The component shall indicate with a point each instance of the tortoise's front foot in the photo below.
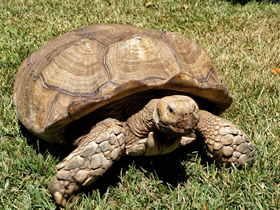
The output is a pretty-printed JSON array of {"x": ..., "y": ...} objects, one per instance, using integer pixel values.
[
  {"x": 90, "y": 160},
  {"x": 227, "y": 143},
  {"x": 62, "y": 190}
]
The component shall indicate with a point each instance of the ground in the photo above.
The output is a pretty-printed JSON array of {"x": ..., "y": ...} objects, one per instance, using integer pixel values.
[{"x": 244, "y": 42}]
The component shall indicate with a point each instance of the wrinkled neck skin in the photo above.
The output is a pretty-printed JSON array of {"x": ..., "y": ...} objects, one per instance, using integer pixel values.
[
  {"x": 143, "y": 138},
  {"x": 142, "y": 123}
]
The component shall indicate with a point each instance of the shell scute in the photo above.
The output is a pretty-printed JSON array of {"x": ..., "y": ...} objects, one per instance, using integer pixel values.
[
  {"x": 141, "y": 57},
  {"x": 79, "y": 70},
  {"x": 193, "y": 59}
]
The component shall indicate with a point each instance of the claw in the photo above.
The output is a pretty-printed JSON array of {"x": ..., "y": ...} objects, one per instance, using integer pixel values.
[{"x": 59, "y": 199}]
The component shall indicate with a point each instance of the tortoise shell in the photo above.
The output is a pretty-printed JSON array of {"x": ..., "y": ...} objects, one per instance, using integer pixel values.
[{"x": 89, "y": 68}]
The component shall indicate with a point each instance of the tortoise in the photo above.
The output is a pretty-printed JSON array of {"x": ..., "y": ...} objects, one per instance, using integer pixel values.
[{"x": 115, "y": 90}]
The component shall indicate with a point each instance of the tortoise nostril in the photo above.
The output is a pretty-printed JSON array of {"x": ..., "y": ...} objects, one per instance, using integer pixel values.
[{"x": 188, "y": 113}]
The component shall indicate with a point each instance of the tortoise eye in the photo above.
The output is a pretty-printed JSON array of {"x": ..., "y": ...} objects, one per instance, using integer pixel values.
[
  {"x": 194, "y": 108},
  {"x": 170, "y": 110}
]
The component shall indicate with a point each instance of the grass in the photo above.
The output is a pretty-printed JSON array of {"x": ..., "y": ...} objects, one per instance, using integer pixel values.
[{"x": 244, "y": 42}]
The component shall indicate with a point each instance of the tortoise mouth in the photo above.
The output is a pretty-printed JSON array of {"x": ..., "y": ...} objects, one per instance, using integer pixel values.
[{"x": 176, "y": 129}]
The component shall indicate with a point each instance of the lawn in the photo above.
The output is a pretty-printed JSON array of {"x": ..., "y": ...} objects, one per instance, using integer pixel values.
[{"x": 244, "y": 43}]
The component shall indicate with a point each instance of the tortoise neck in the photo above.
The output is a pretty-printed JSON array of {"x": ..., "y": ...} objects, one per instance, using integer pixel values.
[{"x": 142, "y": 122}]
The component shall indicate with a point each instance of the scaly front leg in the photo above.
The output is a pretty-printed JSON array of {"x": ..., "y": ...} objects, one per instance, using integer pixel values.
[
  {"x": 227, "y": 143},
  {"x": 95, "y": 154}
]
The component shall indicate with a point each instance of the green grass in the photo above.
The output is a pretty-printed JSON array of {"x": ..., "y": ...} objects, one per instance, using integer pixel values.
[{"x": 244, "y": 42}]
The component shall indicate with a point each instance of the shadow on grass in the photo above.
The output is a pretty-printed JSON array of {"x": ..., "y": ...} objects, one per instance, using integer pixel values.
[
  {"x": 57, "y": 150},
  {"x": 167, "y": 168}
]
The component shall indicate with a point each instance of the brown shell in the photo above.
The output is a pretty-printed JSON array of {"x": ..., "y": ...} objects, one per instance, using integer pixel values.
[{"x": 88, "y": 68}]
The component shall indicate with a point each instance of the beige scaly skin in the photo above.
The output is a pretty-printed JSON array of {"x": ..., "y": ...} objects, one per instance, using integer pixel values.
[
  {"x": 159, "y": 128},
  {"x": 224, "y": 140}
]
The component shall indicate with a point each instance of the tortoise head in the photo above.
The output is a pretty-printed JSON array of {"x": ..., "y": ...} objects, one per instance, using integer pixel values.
[{"x": 176, "y": 114}]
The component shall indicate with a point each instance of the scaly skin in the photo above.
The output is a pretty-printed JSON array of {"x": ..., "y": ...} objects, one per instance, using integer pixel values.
[
  {"x": 175, "y": 117},
  {"x": 90, "y": 160},
  {"x": 227, "y": 143}
]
